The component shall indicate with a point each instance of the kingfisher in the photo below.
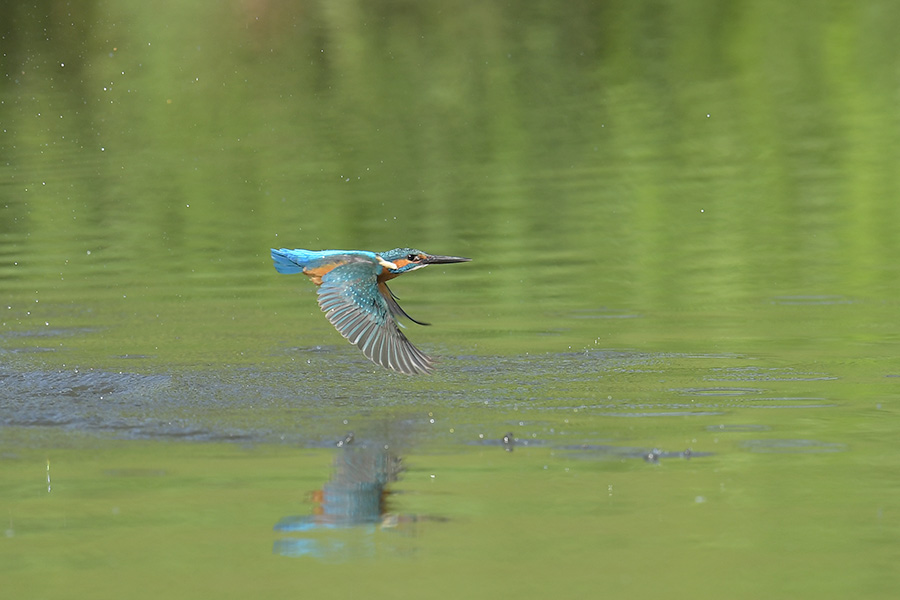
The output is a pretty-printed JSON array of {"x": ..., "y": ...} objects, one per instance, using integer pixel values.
[{"x": 354, "y": 296}]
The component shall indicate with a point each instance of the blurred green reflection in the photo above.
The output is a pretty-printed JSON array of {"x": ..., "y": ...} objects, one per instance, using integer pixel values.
[{"x": 683, "y": 220}]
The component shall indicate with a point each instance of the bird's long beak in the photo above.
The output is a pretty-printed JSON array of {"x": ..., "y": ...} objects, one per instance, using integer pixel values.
[{"x": 441, "y": 260}]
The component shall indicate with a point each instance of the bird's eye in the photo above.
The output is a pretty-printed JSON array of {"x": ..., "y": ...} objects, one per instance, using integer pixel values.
[{"x": 413, "y": 258}]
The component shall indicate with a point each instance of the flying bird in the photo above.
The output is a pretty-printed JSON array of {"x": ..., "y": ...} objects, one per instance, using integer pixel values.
[{"x": 354, "y": 296}]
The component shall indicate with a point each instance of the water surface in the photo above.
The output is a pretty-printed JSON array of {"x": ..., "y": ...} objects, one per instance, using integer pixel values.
[{"x": 671, "y": 368}]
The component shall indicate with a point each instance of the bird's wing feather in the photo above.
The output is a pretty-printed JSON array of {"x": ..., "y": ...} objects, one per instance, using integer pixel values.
[
  {"x": 365, "y": 318},
  {"x": 394, "y": 307}
]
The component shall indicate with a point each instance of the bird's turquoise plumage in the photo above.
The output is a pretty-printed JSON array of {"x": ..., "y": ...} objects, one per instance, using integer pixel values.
[
  {"x": 294, "y": 261},
  {"x": 354, "y": 295}
]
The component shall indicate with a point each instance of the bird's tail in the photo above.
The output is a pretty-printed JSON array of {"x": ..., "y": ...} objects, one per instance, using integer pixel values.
[{"x": 290, "y": 261}]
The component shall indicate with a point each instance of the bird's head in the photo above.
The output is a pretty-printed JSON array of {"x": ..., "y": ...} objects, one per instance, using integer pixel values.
[{"x": 403, "y": 260}]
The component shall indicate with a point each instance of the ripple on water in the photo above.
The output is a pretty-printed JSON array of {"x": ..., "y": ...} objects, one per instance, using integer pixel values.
[
  {"x": 738, "y": 427},
  {"x": 811, "y": 300},
  {"x": 792, "y": 446},
  {"x": 665, "y": 413},
  {"x": 49, "y": 332},
  {"x": 717, "y": 391},
  {"x": 603, "y": 313},
  {"x": 31, "y": 334},
  {"x": 74, "y": 383},
  {"x": 765, "y": 374},
  {"x": 651, "y": 455},
  {"x": 71, "y": 398}
]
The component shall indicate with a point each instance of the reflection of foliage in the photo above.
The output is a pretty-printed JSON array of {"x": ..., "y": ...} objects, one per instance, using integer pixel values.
[{"x": 676, "y": 151}]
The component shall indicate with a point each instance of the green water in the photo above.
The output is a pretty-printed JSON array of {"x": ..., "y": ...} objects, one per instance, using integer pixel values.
[{"x": 682, "y": 311}]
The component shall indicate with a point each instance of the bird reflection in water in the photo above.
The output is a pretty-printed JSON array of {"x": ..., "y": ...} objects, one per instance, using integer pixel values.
[{"x": 351, "y": 510}]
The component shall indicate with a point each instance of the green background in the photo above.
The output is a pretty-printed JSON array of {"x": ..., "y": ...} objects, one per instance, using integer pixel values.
[{"x": 683, "y": 219}]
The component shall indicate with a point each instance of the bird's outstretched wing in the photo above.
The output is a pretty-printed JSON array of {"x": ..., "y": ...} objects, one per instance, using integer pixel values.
[{"x": 354, "y": 303}]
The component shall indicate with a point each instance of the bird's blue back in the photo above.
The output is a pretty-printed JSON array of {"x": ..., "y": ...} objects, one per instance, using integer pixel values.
[{"x": 294, "y": 261}]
